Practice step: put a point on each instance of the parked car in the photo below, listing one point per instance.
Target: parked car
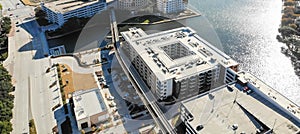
(245, 89)
(112, 104)
(125, 95)
(110, 98)
(249, 91)
(229, 88)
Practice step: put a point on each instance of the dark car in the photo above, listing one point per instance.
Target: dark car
(229, 88)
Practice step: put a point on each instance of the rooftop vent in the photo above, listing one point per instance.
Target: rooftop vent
(78, 98)
(212, 60)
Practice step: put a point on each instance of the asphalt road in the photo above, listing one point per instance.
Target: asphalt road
(21, 77)
(27, 66)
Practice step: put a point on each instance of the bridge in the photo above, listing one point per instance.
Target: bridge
(141, 88)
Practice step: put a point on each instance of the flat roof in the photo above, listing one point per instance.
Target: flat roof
(220, 110)
(64, 6)
(88, 103)
(271, 93)
(203, 55)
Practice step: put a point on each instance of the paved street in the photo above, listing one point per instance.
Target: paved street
(12, 4)
(20, 73)
(27, 66)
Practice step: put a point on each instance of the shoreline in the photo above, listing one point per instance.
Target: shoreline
(289, 32)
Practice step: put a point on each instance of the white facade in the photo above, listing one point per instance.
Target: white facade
(177, 62)
(60, 11)
(132, 4)
(170, 6)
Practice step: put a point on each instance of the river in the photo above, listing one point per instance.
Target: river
(247, 30)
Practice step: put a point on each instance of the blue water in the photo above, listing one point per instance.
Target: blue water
(247, 31)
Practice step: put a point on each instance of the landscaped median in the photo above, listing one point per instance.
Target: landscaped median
(32, 128)
(61, 85)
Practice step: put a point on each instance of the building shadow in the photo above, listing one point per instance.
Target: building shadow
(37, 39)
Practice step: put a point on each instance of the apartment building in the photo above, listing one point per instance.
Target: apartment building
(177, 63)
(170, 6)
(89, 108)
(60, 11)
(132, 4)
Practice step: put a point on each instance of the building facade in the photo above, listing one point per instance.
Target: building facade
(89, 108)
(132, 4)
(60, 11)
(177, 63)
(170, 6)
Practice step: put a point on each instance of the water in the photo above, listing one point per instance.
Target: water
(247, 30)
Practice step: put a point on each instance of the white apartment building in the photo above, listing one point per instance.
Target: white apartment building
(132, 4)
(170, 6)
(89, 108)
(177, 62)
(60, 11)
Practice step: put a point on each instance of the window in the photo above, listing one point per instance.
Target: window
(84, 125)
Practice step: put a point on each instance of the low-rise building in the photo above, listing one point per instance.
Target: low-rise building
(89, 108)
(177, 62)
(170, 6)
(247, 106)
(60, 11)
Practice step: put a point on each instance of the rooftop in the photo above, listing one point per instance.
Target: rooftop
(271, 93)
(64, 6)
(222, 108)
(88, 103)
(176, 53)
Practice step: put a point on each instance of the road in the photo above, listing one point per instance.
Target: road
(27, 65)
(20, 73)
(12, 4)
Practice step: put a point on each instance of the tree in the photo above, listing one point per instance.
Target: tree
(6, 101)
(294, 26)
(39, 13)
(287, 31)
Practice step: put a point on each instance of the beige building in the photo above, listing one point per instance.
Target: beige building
(132, 4)
(89, 108)
(177, 62)
(170, 6)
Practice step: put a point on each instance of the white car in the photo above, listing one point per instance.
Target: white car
(110, 98)
(112, 104)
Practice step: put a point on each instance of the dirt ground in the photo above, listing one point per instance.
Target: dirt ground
(76, 81)
(34, 2)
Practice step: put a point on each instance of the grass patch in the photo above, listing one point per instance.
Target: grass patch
(32, 128)
(61, 85)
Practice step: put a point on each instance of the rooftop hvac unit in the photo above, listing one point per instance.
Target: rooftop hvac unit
(78, 98)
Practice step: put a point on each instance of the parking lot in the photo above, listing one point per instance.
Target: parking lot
(125, 99)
